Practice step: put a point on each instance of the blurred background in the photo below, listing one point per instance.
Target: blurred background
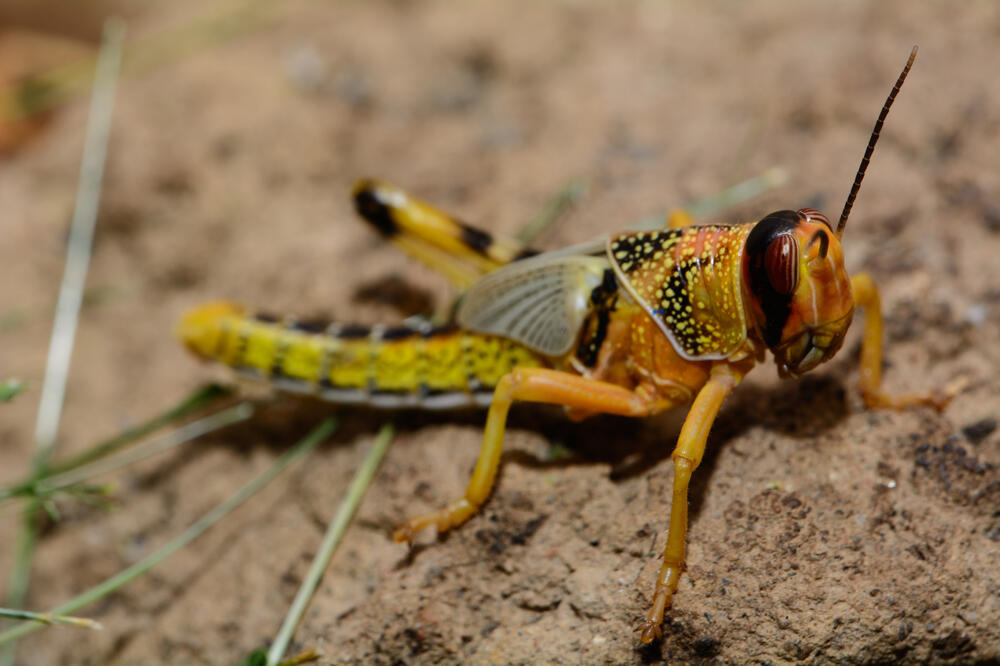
(238, 130)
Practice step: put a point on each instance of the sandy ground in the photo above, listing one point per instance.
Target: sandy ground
(820, 532)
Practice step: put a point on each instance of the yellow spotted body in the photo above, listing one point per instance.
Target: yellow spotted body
(385, 367)
(689, 281)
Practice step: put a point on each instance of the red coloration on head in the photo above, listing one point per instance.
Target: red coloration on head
(802, 320)
(782, 265)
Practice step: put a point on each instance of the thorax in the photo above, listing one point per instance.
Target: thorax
(633, 351)
(688, 281)
(676, 308)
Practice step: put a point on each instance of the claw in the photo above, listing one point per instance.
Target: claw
(937, 400)
(651, 628)
(649, 632)
(404, 534)
(951, 391)
(442, 520)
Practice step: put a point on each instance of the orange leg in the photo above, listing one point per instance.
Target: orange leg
(529, 385)
(687, 455)
(866, 296)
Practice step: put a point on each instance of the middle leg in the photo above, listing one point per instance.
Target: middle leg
(529, 385)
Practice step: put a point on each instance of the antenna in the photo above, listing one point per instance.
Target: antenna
(871, 144)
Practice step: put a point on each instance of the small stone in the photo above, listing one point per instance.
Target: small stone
(975, 314)
(980, 430)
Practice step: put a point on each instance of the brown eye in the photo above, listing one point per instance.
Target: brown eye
(781, 262)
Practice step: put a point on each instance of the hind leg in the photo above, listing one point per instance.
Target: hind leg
(461, 252)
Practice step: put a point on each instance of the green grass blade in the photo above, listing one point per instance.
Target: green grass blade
(738, 193)
(310, 442)
(195, 401)
(78, 252)
(186, 433)
(732, 195)
(47, 90)
(49, 618)
(10, 388)
(198, 399)
(334, 533)
(556, 206)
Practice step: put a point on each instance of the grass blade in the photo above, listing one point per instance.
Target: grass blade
(47, 90)
(334, 533)
(86, 465)
(80, 244)
(198, 399)
(81, 239)
(553, 209)
(185, 433)
(49, 618)
(310, 442)
(10, 388)
(259, 658)
(732, 195)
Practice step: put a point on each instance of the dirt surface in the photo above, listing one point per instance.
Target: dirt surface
(819, 531)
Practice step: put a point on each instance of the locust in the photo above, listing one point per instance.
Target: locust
(632, 324)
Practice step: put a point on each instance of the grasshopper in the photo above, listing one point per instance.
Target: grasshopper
(634, 324)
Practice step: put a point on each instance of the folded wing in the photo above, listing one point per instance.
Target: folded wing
(540, 302)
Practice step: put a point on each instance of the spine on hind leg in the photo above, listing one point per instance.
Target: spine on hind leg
(384, 367)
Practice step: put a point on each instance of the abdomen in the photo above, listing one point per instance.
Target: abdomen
(439, 368)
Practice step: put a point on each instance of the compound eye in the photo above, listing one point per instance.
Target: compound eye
(813, 215)
(781, 261)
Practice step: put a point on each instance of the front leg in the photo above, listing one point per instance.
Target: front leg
(686, 456)
(866, 296)
(530, 385)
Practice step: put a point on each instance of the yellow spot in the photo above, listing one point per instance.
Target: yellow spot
(349, 364)
(261, 346)
(302, 357)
